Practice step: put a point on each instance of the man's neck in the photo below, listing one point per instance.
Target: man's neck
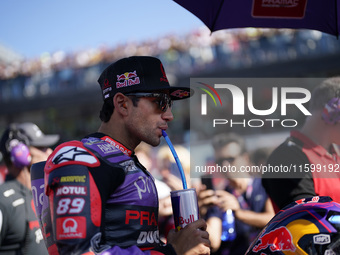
(21, 175)
(118, 134)
(318, 132)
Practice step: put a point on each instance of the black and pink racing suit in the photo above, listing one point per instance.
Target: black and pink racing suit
(94, 197)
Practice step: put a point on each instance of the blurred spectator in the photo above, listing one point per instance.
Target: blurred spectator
(21, 145)
(260, 156)
(311, 152)
(244, 195)
(168, 167)
(144, 153)
(165, 214)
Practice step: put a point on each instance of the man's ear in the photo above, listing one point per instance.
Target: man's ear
(120, 103)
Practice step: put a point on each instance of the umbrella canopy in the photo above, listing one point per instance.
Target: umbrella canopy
(322, 15)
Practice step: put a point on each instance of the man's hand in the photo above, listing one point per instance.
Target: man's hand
(193, 239)
(205, 199)
(226, 200)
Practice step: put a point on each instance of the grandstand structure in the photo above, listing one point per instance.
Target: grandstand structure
(60, 92)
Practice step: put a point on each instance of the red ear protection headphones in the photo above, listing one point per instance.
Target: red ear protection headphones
(17, 146)
(331, 111)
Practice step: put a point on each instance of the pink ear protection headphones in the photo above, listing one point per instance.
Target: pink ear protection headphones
(331, 111)
(17, 146)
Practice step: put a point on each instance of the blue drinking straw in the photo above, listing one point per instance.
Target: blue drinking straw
(176, 159)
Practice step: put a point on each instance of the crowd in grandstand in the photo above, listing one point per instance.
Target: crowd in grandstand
(182, 55)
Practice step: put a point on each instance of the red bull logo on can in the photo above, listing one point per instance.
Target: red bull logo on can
(279, 239)
(127, 79)
(181, 222)
(184, 206)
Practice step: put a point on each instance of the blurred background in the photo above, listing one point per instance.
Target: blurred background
(52, 53)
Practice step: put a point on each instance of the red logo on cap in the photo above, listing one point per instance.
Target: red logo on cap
(106, 84)
(127, 79)
(180, 93)
(164, 78)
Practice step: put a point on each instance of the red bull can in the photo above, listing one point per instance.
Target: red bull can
(184, 207)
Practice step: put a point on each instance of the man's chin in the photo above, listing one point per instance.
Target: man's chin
(154, 142)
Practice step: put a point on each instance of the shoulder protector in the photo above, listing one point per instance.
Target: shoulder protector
(69, 153)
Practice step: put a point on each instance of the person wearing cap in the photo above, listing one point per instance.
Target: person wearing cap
(21, 145)
(101, 199)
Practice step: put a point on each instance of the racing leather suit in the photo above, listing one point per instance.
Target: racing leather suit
(98, 199)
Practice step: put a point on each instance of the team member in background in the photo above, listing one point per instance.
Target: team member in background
(101, 198)
(21, 145)
(243, 195)
(315, 146)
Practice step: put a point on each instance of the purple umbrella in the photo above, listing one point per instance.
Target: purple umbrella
(322, 15)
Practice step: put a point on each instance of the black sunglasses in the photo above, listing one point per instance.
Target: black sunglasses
(163, 100)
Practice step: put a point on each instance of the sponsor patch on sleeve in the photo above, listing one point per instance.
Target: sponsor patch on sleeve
(71, 228)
